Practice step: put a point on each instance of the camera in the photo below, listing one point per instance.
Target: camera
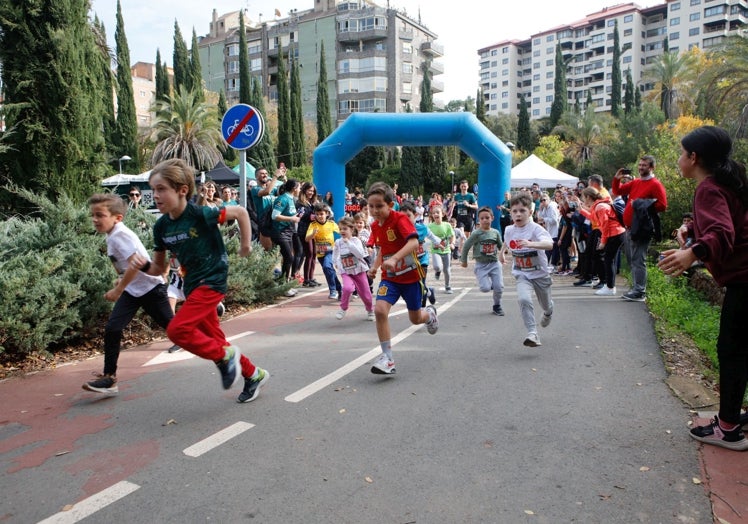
(626, 171)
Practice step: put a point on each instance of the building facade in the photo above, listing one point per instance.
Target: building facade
(375, 56)
(513, 68)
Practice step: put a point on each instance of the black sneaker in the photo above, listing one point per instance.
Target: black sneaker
(599, 285)
(498, 311)
(106, 384)
(174, 348)
(229, 366)
(437, 274)
(432, 296)
(220, 309)
(634, 296)
(252, 386)
(713, 434)
(582, 283)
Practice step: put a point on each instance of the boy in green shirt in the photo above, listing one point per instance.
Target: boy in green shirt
(486, 244)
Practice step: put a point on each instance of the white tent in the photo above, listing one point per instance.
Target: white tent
(532, 170)
(125, 180)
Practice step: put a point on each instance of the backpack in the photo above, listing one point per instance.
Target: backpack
(265, 224)
(618, 206)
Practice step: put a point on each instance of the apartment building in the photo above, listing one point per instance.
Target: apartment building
(374, 56)
(512, 68)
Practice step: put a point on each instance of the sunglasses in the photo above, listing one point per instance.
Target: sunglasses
(134, 194)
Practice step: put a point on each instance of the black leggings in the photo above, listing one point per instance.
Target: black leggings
(612, 246)
(732, 352)
(284, 239)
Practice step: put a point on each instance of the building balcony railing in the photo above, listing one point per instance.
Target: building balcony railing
(405, 34)
(368, 34)
(437, 87)
(432, 49)
(436, 68)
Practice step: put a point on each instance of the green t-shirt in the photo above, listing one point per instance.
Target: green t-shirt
(485, 245)
(443, 231)
(460, 208)
(197, 242)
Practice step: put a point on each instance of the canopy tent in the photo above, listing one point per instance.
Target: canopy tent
(249, 169)
(532, 170)
(221, 174)
(125, 180)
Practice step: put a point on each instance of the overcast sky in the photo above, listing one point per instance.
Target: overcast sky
(474, 24)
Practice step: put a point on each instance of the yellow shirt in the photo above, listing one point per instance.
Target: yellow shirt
(324, 240)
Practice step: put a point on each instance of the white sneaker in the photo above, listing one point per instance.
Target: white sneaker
(546, 320)
(340, 314)
(606, 291)
(448, 291)
(432, 326)
(532, 340)
(370, 316)
(383, 366)
(291, 292)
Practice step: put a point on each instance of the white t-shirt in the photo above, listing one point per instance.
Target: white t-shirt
(531, 263)
(121, 244)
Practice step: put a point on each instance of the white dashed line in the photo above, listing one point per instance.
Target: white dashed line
(314, 387)
(217, 439)
(92, 504)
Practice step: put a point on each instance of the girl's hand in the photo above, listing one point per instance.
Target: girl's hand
(674, 262)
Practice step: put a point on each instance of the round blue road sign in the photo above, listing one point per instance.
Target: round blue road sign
(242, 126)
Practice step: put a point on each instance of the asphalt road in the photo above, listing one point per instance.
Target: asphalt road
(474, 427)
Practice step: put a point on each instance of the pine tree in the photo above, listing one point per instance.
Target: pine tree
(127, 120)
(245, 80)
(262, 154)
(324, 122)
(615, 77)
(52, 101)
(524, 137)
(298, 145)
(629, 97)
(181, 61)
(162, 79)
(196, 70)
(560, 96)
(284, 113)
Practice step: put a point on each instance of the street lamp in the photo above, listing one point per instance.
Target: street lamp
(125, 158)
(452, 188)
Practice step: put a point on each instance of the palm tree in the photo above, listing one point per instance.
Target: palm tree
(188, 129)
(727, 79)
(583, 133)
(672, 72)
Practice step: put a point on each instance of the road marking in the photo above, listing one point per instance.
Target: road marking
(217, 439)
(165, 357)
(314, 387)
(92, 504)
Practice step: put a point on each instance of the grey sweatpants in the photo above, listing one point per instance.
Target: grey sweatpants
(542, 288)
(490, 278)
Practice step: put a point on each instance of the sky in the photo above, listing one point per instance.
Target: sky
(149, 25)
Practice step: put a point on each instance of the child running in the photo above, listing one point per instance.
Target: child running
(397, 242)
(191, 233)
(527, 241)
(442, 252)
(424, 233)
(132, 290)
(348, 257)
(486, 244)
(322, 231)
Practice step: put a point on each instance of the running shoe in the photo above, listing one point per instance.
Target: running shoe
(713, 434)
(432, 326)
(634, 296)
(220, 309)
(582, 283)
(606, 291)
(497, 310)
(333, 295)
(106, 384)
(174, 348)
(291, 292)
(370, 316)
(546, 320)
(340, 314)
(252, 386)
(432, 296)
(532, 340)
(229, 366)
(448, 291)
(383, 365)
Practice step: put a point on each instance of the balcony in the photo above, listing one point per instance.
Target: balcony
(432, 49)
(437, 87)
(436, 68)
(405, 34)
(379, 33)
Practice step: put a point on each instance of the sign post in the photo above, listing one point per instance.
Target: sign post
(242, 127)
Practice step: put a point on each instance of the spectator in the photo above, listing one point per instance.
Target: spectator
(285, 219)
(654, 200)
(263, 196)
(305, 209)
(548, 218)
(134, 196)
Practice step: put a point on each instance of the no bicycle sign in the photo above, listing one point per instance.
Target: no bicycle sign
(242, 126)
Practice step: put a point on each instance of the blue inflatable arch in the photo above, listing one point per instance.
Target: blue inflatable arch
(414, 129)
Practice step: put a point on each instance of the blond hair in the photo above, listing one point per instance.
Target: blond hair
(177, 173)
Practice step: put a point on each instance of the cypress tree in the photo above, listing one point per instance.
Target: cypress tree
(615, 77)
(181, 61)
(229, 154)
(560, 96)
(245, 80)
(196, 71)
(51, 77)
(284, 113)
(107, 91)
(324, 122)
(262, 154)
(480, 107)
(410, 163)
(127, 121)
(589, 104)
(298, 145)
(524, 138)
(161, 72)
(629, 97)
(637, 99)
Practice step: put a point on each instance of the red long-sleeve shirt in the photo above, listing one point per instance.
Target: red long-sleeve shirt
(640, 188)
(721, 227)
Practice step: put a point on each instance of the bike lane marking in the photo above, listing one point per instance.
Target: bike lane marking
(165, 357)
(92, 504)
(314, 387)
(216, 439)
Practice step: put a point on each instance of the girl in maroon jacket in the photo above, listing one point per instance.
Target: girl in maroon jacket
(721, 243)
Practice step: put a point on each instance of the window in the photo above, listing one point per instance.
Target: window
(611, 22)
(505, 94)
(407, 88)
(536, 77)
(549, 74)
(536, 41)
(549, 62)
(233, 67)
(695, 2)
(535, 89)
(407, 68)
(407, 48)
(504, 72)
(536, 112)
(628, 19)
(693, 31)
(255, 64)
(549, 38)
(550, 50)
(493, 52)
(627, 32)
(714, 11)
(674, 36)
(675, 6)
(549, 87)
(627, 59)
(503, 62)
(675, 21)
(536, 52)
(504, 105)
(694, 17)
(504, 83)
(504, 50)
(549, 98)
(536, 100)
(233, 50)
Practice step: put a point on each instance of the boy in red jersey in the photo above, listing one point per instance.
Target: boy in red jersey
(396, 240)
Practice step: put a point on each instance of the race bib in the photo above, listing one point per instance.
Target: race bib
(322, 248)
(408, 263)
(488, 248)
(348, 262)
(526, 260)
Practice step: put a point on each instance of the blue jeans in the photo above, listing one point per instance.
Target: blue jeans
(333, 284)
